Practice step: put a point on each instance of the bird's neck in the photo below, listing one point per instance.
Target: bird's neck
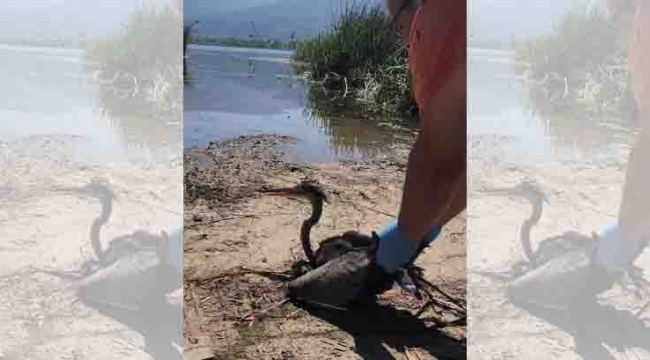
(316, 211)
(537, 211)
(527, 227)
(107, 208)
(305, 230)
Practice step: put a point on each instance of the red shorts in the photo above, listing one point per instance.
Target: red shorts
(639, 58)
(437, 44)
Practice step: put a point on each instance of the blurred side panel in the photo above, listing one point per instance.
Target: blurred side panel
(90, 179)
(559, 207)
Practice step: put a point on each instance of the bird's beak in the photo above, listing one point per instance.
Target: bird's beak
(287, 191)
(513, 192)
(293, 191)
(69, 190)
(500, 192)
(80, 191)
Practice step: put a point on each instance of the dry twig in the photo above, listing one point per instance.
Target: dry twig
(254, 313)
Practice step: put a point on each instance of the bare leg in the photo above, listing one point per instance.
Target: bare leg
(634, 215)
(459, 202)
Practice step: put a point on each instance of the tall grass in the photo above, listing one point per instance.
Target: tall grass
(139, 67)
(579, 66)
(187, 39)
(187, 35)
(362, 47)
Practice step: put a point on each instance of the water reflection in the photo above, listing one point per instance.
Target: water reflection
(49, 91)
(502, 102)
(350, 128)
(237, 91)
(139, 76)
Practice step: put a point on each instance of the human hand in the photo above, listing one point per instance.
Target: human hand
(613, 252)
(394, 254)
(174, 249)
(396, 251)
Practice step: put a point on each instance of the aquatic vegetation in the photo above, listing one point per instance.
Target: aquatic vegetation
(580, 67)
(362, 54)
(139, 68)
(187, 39)
(187, 35)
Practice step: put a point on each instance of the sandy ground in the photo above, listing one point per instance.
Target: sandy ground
(584, 194)
(231, 229)
(40, 315)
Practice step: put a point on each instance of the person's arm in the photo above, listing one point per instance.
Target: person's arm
(434, 190)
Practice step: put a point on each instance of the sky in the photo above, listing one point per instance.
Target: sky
(493, 18)
(219, 7)
(504, 19)
(499, 19)
(65, 18)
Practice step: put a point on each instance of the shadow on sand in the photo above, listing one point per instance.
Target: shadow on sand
(563, 293)
(377, 325)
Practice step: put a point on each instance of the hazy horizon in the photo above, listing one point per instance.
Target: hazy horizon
(489, 20)
(66, 19)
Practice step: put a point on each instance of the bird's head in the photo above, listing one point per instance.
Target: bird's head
(96, 188)
(527, 189)
(306, 189)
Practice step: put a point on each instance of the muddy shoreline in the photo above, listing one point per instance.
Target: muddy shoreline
(233, 234)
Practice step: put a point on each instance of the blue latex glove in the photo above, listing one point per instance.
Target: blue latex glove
(174, 255)
(396, 251)
(615, 253)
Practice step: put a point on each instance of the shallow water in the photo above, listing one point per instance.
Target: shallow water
(499, 105)
(235, 91)
(250, 91)
(48, 91)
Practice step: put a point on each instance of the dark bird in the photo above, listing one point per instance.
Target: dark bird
(132, 278)
(331, 247)
(557, 269)
(558, 275)
(121, 245)
(550, 247)
(138, 260)
(349, 256)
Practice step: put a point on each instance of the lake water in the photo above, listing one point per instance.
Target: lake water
(252, 91)
(47, 91)
(499, 104)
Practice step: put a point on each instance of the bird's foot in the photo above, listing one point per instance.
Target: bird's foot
(404, 277)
